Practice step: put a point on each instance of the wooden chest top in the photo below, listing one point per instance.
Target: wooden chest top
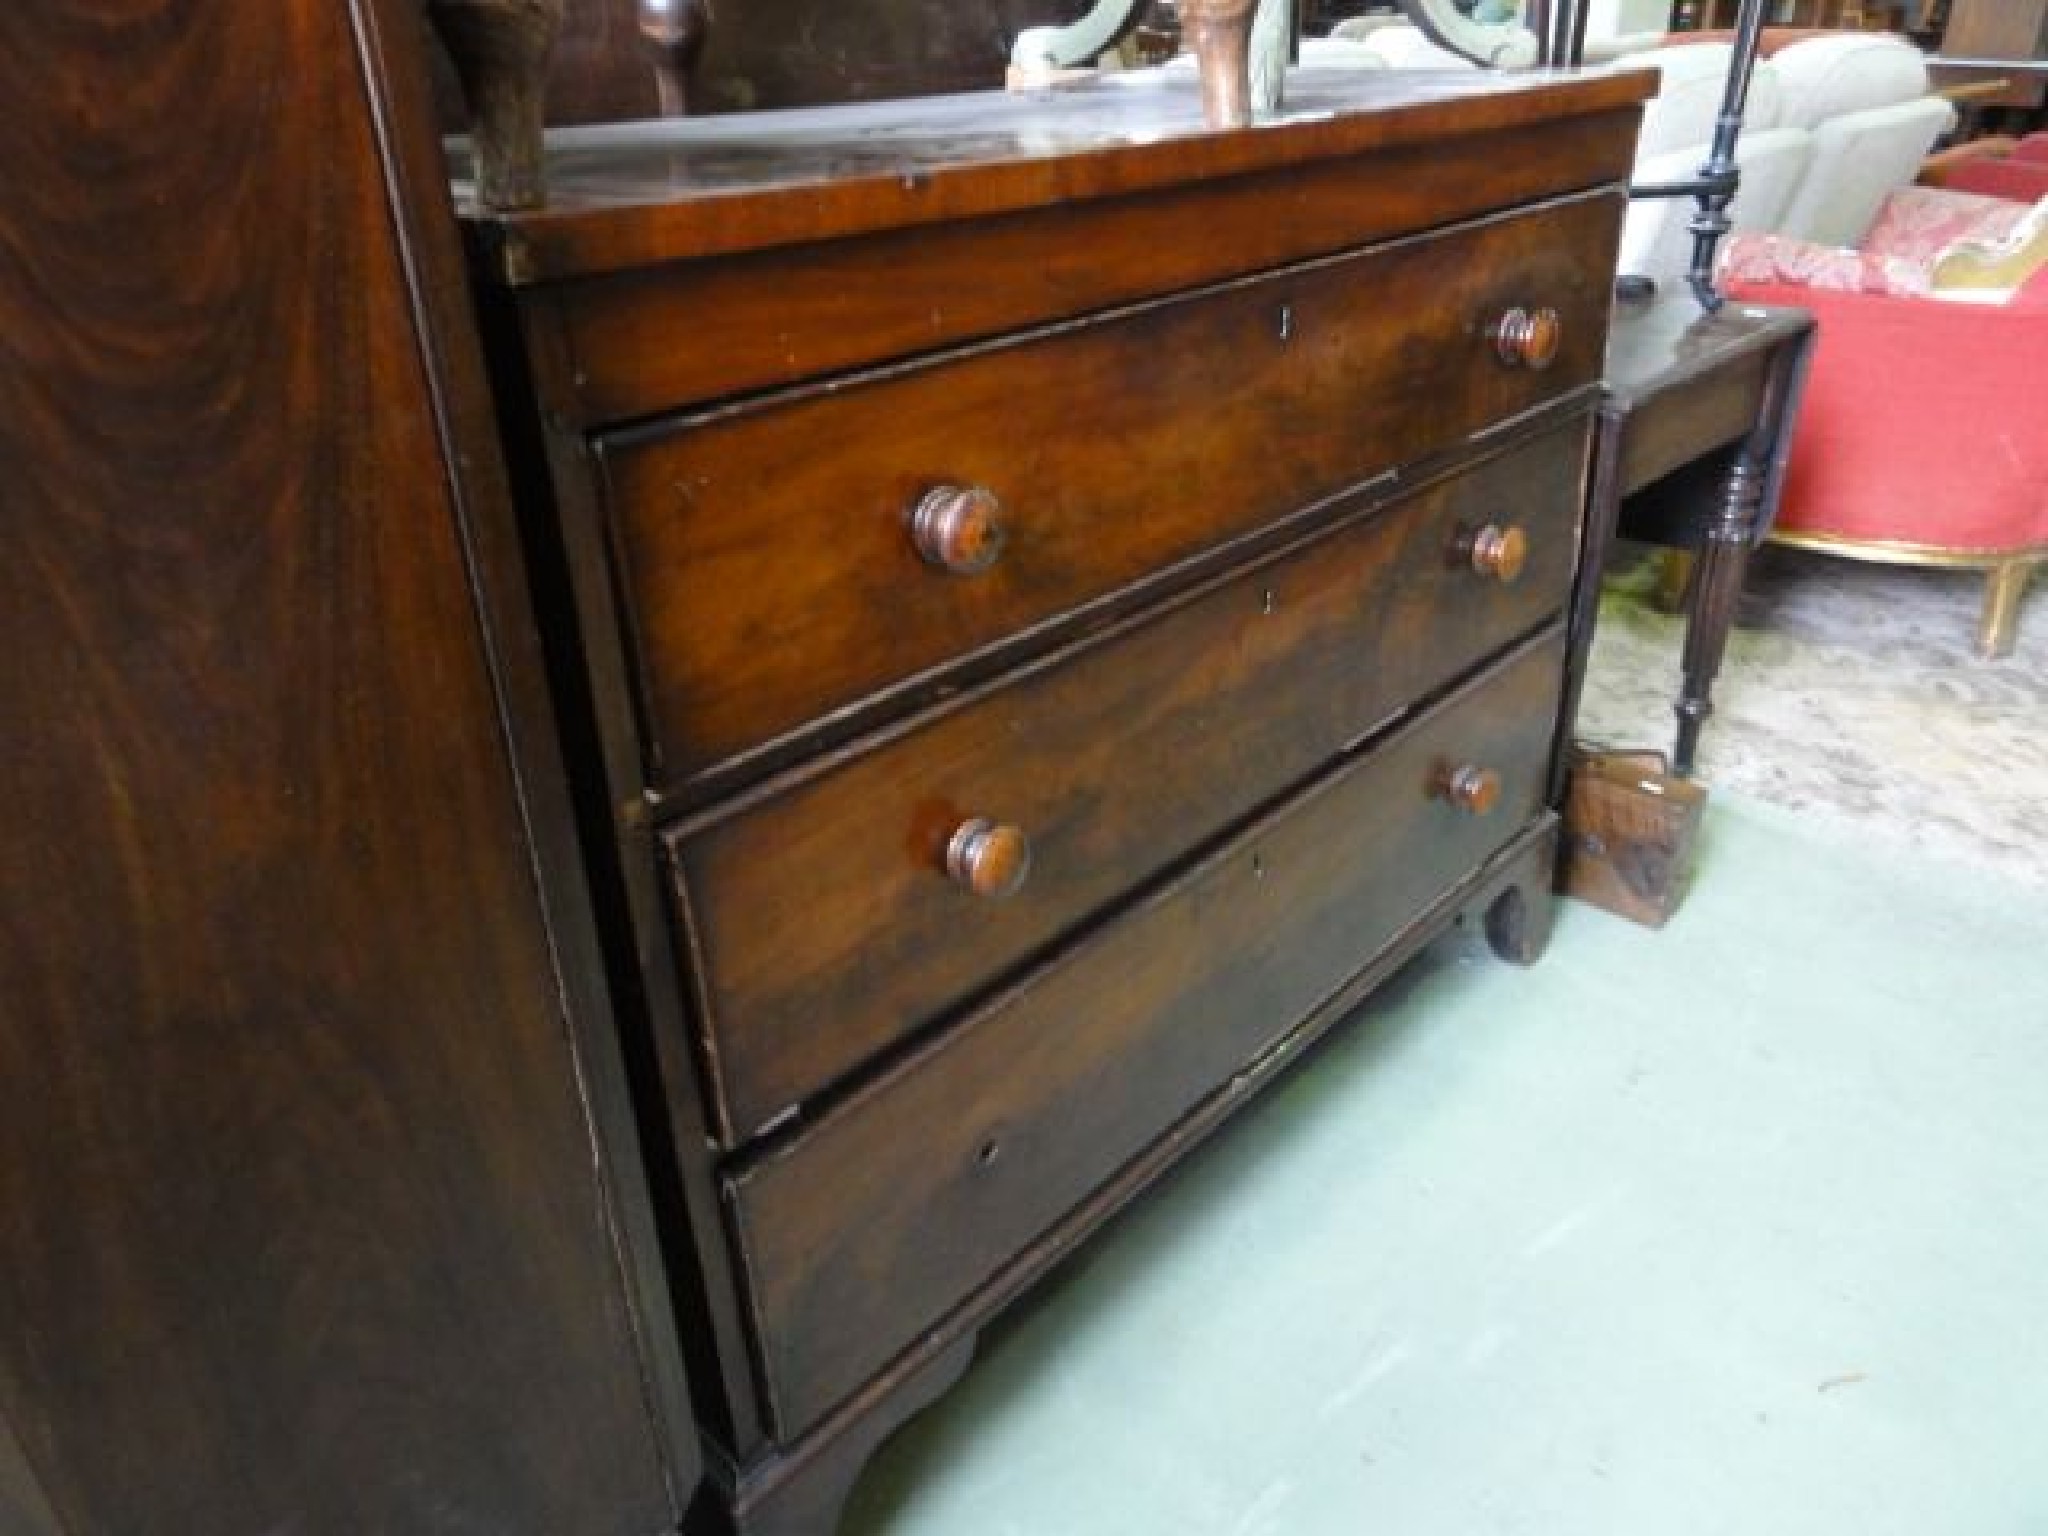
(633, 194)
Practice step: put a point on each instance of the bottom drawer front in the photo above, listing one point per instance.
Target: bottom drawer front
(889, 1212)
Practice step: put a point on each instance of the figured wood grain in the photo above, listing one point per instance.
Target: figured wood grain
(302, 1225)
(1032, 1104)
(764, 554)
(686, 269)
(1116, 761)
(641, 194)
(639, 343)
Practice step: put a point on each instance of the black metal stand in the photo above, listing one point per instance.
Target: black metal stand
(1561, 30)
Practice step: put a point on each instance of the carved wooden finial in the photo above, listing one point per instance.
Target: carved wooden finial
(500, 49)
(674, 32)
(1219, 31)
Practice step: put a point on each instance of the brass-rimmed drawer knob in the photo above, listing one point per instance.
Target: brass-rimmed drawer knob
(958, 528)
(1469, 788)
(1496, 551)
(989, 858)
(1527, 338)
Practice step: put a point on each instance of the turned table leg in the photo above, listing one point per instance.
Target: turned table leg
(500, 51)
(1717, 584)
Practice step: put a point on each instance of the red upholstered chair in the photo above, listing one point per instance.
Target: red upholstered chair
(1921, 438)
(1993, 167)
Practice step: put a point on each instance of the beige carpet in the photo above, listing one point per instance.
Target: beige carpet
(1852, 694)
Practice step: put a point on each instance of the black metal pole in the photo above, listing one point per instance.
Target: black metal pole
(1719, 177)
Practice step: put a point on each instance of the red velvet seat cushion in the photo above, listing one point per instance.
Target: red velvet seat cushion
(1922, 421)
(2011, 177)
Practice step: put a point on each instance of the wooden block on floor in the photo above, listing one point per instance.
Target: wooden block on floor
(1629, 830)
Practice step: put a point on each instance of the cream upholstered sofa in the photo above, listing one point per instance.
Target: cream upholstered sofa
(1677, 134)
(1833, 124)
(1863, 97)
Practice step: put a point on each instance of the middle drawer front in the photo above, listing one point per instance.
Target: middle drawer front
(892, 1210)
(824, 922)
(771, 577)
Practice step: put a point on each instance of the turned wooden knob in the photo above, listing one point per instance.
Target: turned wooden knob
(1471, 789)
(1498, 552)
(958, 528)
(1527, 338)
(989, 858)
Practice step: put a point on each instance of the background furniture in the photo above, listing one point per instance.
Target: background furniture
(1954, 471)
(1865, 100)
(1998, 166)
(1677, 139)
(320, 1203)
(2002, 29)
(1834, 123)
(1694, 436)
(1053, 603)
(741, 55)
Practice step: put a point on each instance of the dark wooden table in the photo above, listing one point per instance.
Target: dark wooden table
(1691, 448)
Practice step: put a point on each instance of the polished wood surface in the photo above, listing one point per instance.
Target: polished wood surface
(1005, 564)
(1111, 760)
(658, 192)
(1689, 381)
(1030, 1105)
(789, 518)
(779, 316)
(310, 1217)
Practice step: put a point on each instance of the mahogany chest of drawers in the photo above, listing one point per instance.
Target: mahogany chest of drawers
(1052, 605)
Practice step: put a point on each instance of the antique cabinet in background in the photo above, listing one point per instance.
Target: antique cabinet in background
(2001, 29)
(319, 1204)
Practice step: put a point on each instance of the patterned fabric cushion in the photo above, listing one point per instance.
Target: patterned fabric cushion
(1955, 247)
(1992, 271)
(1749, 257)
(1916, 224)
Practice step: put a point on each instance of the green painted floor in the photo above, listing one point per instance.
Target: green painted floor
(1741, 1227)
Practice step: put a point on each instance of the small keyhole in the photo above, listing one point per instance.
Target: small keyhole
(986, 1154)
(1286, 322)
(1258, 867)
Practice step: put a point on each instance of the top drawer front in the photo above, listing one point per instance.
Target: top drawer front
(770, 576)
(677, 334)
